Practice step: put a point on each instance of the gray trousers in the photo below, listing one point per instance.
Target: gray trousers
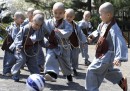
(100, 69)
(56, 58)
(40, 56)
(74, 56)
(84, 52)
(21, 59)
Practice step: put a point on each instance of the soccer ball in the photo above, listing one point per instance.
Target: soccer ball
(35, 82)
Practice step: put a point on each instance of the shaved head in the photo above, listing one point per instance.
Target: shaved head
(58, 5)
(70, 11)
(30, 13)
(58, 10)
(30, 9)
(107, 7)
(19, 15)
(38, 18)
(37, 12)
(87, 13)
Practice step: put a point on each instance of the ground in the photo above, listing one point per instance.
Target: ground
(7, 84)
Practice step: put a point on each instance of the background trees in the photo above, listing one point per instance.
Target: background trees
(122, 8)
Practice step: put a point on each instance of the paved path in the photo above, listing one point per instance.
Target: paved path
(7, 84)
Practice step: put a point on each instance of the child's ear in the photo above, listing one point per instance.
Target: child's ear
(109, 14)
(14, 18)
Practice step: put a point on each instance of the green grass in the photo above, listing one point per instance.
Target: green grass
(1, 42)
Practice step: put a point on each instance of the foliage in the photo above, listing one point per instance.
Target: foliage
(6, 17)
(95, 20)
(3, 6)
(3, 32)
(78, 5)
(1, 42)
(79, 8)
(118, 4)
(18, 5)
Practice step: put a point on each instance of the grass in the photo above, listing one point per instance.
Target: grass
(1, 42)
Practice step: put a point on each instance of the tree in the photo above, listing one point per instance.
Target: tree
(118, 4)
(79, 6)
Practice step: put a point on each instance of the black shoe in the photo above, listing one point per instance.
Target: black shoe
(23, 66)
(123, 84)
(15, 78)
(75, 72)
(41, 68)
(69, 78)
(52, 74)
(87, 63)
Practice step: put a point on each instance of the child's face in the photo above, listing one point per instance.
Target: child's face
(58, 13)
(87, 17)
(36, 25)
(30, 16)
(105, 17)
(69, 17)
(19, 20)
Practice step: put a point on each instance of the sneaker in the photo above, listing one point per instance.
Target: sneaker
(87, 63)
(49, 78)
(69, 78)
(15, 78)
(75, 72)
(7, 74)
(123, 84)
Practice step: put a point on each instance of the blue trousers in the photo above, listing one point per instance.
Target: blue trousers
(8, 62)
(84, 52)
(56, 58)
(40, 57)
(74, 56)
(21, 59)
(100, 69)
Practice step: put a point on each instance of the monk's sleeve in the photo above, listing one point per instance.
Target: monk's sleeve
(120, 47)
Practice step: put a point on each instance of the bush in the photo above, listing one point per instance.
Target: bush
(95, 20)
(3, 32)
(6, 17)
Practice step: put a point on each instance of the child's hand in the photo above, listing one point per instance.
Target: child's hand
(90, 38)
(84, 44)
(18, 50)
(56, 30)
(117, 62)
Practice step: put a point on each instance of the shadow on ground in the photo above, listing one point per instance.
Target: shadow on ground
(1, 58)
(72, 86)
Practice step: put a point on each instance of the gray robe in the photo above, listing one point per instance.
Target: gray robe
(30, 56)
(9, 58)
(84, 50)
(61, 54)
(103, 68)
(75, 51)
